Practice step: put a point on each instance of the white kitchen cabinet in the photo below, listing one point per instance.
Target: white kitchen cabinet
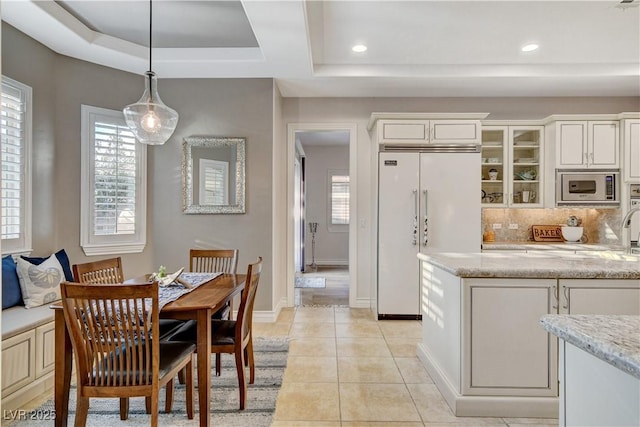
(599, 296)
(398, 131)
(517, 154)
(587, 144)
(631, 136)
(505, 350)
(595, 393)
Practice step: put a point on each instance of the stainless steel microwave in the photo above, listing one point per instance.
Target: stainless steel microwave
(587, 187)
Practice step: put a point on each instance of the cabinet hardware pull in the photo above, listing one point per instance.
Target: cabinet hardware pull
(555, 298)
(426, 219)
(415, 217)
(565, 292)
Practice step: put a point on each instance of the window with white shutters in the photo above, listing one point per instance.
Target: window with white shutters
(113, 185)
(338, 200)
(15, 131)
(214, 182)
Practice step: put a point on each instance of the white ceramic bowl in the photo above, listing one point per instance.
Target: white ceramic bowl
(572, 234)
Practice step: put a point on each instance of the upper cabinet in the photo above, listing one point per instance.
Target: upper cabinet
(512, 166)
(631, 136)
(429, 131)
(414, 129)
(587, 144)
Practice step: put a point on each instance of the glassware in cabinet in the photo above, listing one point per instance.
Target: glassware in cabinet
(526, 166)
(494, 160)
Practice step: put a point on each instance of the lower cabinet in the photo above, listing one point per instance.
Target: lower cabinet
(18, 361)
(599, 296)
(595, 393)
(483, 344)
(28, 361)
(506, 352)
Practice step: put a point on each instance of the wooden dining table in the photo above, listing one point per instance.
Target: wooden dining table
(199, 305)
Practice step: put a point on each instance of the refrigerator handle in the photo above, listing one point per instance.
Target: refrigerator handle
(426, 219)
(415, 217)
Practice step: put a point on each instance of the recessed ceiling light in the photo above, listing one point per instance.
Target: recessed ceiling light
(530, 47)
(359, 48)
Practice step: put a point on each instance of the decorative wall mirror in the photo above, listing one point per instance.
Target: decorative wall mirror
(213, 175)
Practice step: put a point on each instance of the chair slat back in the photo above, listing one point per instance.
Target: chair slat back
(213, 260)
(105, 271)
(245, 311)
(109, 325)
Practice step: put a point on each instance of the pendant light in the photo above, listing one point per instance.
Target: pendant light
(150, 120)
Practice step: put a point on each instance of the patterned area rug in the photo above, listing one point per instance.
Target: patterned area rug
(271, 360)
(310, 282)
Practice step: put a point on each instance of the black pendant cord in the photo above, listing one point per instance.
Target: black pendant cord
(150, 28)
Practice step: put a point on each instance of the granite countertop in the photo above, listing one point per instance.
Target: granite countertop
(545, 246)
(538, 265)
(614, 339)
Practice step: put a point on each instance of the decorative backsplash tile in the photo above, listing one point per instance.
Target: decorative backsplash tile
(600, 225)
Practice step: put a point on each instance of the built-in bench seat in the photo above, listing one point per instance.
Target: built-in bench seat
(28, 337)
(28, 354)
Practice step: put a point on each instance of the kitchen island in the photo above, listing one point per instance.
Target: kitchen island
(482, 343)
(599, 368)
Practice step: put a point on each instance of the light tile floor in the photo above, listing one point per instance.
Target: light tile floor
(345, 369)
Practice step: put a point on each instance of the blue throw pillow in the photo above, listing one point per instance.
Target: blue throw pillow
(11, 294)
(63, 259)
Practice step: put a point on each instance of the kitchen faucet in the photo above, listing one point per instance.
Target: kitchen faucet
(626, 223)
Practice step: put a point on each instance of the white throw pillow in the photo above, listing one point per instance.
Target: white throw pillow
(40, 284)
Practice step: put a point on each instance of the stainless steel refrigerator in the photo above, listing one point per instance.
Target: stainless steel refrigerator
(427, 202)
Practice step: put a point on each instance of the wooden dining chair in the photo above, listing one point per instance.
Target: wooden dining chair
(104, 271)
(233, 336)
(215, 261)
(110, 326)
(110, 271)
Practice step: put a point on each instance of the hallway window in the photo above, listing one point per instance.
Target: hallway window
(214, 182)
(339, 198)
(113, 185)
(15, 130)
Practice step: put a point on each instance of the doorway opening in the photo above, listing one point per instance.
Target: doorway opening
(321, 268)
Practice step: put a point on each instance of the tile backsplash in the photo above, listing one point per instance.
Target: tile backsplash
(600, 225)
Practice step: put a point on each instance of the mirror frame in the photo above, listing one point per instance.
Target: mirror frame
(187, 174)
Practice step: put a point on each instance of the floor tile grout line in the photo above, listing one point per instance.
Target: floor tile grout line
(335, 333)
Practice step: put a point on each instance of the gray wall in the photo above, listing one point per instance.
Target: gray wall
(220, 107)
(33, 64)
(332, 247)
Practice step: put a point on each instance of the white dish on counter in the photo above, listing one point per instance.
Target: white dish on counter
(572, 234)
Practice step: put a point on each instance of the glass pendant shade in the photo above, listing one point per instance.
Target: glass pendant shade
(150, 120)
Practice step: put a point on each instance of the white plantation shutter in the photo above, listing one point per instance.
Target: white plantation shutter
(15, 131)
(113, 185)
(339, 199)
(115, 180)
(214, 182)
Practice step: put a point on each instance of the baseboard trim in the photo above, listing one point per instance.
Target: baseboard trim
(362, 303)
(331, 262)
(487, 406)
(269, 316)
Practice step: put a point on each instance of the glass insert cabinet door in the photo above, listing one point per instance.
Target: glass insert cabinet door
(512, 170)
(494, 169)
(213, 174)
(526, 168)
